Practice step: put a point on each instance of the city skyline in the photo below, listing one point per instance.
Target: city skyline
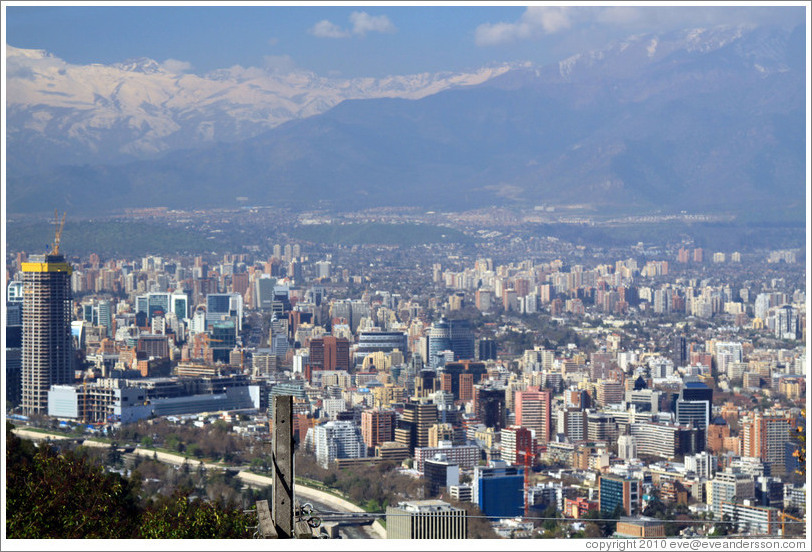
(523, 271)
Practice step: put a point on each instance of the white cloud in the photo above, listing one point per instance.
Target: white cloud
(176, 66)
(534, 22)
(363, 23)
(537, 22)
(279, 64)
(327, 29)
(22, 63)
(550, 20)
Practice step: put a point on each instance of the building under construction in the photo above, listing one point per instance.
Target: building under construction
(47, 351)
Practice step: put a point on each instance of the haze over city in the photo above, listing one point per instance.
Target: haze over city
(439, 272)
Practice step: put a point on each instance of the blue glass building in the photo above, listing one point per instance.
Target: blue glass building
(499, 490)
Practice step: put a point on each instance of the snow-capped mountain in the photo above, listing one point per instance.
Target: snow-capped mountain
(700, 120)
(59, 113)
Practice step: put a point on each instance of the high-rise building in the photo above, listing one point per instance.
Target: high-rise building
(489, 406)
(373, 341)
(518, 446)
(440, 473)
(619, 491)
(533, 411)
(377, 427)
(610, 392)
(452, 379)
(425, 519)
(223, 340)
(787, 323)
(765, 436)
(323, 269)
(729, 486)
(753, 519)
(667, 440)
(413, 426)
(601, 426)
(153, 304)
(47, 351)
(440, 432)
(330, 353)
(486, 349)
(571, 421)
(439, 340)
(338, 439)
(498, 489)
(450, 335)
(693, 407)
(462, 340)
(223, 306)
(627, 447)
(703, 464)
(14, 342)
(679, 350)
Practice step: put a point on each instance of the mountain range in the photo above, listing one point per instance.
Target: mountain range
(59, 113)
(706, 120)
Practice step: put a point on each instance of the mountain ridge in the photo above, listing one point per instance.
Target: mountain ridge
(139, 108)
(668, 126)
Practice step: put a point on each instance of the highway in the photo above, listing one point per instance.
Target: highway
(320, 500)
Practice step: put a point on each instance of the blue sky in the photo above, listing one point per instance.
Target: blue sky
(366, 39)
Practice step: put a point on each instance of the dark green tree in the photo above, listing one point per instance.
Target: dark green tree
(51, 495)
(179, 517)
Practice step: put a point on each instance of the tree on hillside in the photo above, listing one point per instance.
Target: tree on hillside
(180, 517)
(799, 435)
(63, 496)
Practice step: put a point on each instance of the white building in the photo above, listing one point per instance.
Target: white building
(338, 439)
(627, 447)
(727, 486)
(751, 519)
(703, 464)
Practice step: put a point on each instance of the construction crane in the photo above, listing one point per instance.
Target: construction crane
(784, 517)
(58, 235)
(527, 462)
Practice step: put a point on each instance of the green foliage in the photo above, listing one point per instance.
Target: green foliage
(373, 505)
(173, 442)
(179, 517)
(602, 524)
(194, 450)
(550, 525)
(221, 426)
(721, 529)
(799, 435)
(63, 496)
(655, 508)
(479, 527)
